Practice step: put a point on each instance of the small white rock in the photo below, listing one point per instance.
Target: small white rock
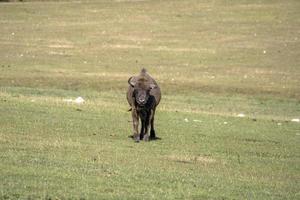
(196, 120)
(186, 120)
(225, 122)
(264, 51)
(279, 124)
(295, 120)
(241, 115)
(79, 100)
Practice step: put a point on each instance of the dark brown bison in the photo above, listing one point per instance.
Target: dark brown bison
(143, 95)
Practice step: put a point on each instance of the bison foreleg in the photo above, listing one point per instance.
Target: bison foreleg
(135, 121)
(142, 132)
(147, 125)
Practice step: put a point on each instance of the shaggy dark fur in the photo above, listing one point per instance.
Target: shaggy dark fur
(143, 96)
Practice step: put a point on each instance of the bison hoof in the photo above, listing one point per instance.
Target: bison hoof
(136, 138)
(146, 138)
(141, 136)
(152, 134)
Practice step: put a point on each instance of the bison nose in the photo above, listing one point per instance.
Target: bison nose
(142, 100)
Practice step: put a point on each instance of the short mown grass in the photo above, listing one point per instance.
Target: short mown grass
(213, 60)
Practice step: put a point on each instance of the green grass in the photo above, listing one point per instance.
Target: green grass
(213, 60)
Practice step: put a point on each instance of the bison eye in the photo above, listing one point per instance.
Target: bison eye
(134, 93)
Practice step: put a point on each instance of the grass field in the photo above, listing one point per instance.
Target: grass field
(213, 59)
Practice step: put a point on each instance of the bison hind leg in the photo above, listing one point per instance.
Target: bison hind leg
(152, 131)
(152, 134)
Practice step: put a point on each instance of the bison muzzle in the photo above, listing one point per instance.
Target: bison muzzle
(143, 95)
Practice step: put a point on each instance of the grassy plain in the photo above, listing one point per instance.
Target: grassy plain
(214, 59)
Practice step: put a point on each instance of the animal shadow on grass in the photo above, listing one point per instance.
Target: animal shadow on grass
(150, 138)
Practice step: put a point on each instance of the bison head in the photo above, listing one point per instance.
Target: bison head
(141, 90)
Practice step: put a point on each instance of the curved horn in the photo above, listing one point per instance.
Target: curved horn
(130, 82)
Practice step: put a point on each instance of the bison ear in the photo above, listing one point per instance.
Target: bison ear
(131, 82)
(152, 86)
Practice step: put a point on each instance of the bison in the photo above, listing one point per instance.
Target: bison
(143, 95)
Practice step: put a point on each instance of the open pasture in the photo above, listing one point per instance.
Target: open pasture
(215, 60)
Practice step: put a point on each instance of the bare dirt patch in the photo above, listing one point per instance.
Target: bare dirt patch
(191, 159)
(61, 46)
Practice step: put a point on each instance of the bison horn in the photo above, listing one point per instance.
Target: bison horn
(131, 82)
